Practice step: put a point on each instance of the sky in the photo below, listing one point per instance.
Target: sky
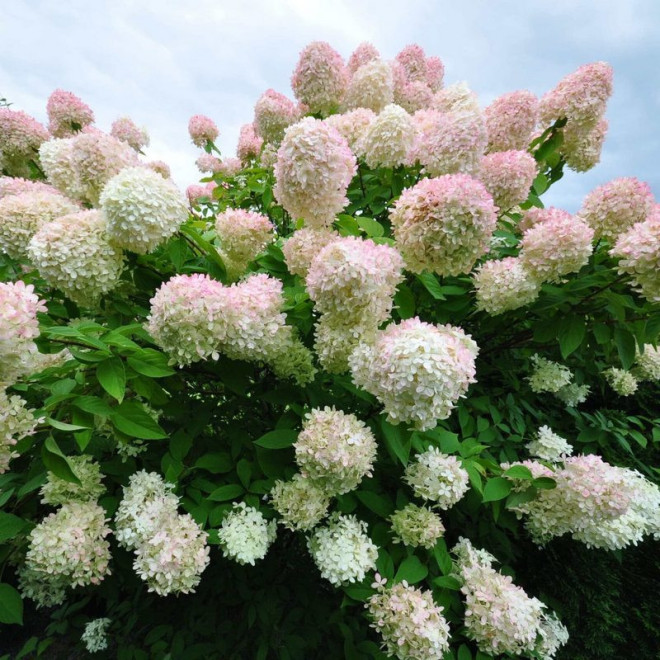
(161, 61)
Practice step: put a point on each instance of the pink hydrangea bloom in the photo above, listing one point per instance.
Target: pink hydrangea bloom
(20, 138)
(582, 149)
(313, 169)
(320, 78)
(202, 130)
(230, 166)
(67, 114)
(510, 120)
(371, 87)
(249, 143)
(273, 113)
(195, 192)
(456, 98)
(444, 224)
(435, 73)
(503, 285)
(161, 167)
(126, 130)
(614, 207)
(388, 139)
(302, 246)
(353, 126)
(535, 215)
(508, 176)
(208, 163)
(364, 53)
(15, 186)
(413, 61)
(414, 96)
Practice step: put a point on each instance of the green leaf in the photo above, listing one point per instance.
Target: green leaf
(404, 300)
(571, 333)
(394, 441)
(432, 285)
(112, 376)
(216, 463)
(244, 471)
(57, 462)
(278, 439)
(358, 593)
(496, 489)
(132, 419)
(206, 248)
(545, 483)
(374, 502)
(228, 492)
(347, 225)
(442, 557)
(464, 653)
(63, 426)
(371, 227)
(447, 582)
(11, 605)
(411, 570)
(520, 497)
(150, 362)
(518, 472)
(625, 345)
(93, 405)
(10, 526)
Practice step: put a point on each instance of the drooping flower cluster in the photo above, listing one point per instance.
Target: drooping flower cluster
(503, 285)
(548, 376)
(303, 246)
(273, 114)
(389, 138)
(67, 114)
(499, 616)
(57, 491)
(335, 450)
(22, 215)
(508, 176)
(437, 477)
(371, 87)
(342, 550)
(621, 381)
(416, 526)
(411, 624)
(549, 446)
(74, 254)
(243, 236)
(17, 421)
(444, 224)
(510, 120)
(301, 502)
(249, 143)
(313, 169)
(126, 130)
(202, 130)
(94, 636)
(20, 138)
(320, 78)
(142, 209)
(245, 535)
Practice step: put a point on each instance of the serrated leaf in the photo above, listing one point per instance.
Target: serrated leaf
(571, 333)
(404, 300)
(545, 483)
(496, 489)
(112, 376)
(395, 442)
(371, 227)
(11, 605)
(278, 439)
(93, 405)
(131, 418)
(228, 492)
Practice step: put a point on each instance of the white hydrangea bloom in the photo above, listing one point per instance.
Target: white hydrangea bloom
(416, 526)
(57, 491)
(647, 364)
(245, 535)
(573, 394)
(621, 381)
(16, 422)
(301, 502)
(548, 376)
(549, 446)
(94, 636)
(389, 138)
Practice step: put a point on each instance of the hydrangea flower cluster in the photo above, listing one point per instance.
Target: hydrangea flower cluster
(245, 535)
(208, 163)
(22, 215)
(95, 635)
(43, 589)
(371, 87)
(342, 550)
(502, 285)
(67, 114)
(57, 491)
(621, 381)
(389, 138)
(456, 98)
(411, 624)
(273, 114)
(364, 53)
(416, 78)
(417, 370)
(301, 502)
(508, 176)
(10, 185)
(126, 130)
(558, 245)
(303, 245)
(74, 254)
(202, 130)
(320, 78)
(19, 326)
(444, 224)
(335, 450)
(416, 526)
(353, 126)
(243, 236)
(437, 477)
(20, 138)
(160, 167)
(548, 376)
(499, 616)
(582, 151)
(249, 143)
(313, 169)
(613, 208)
(17, 421)
(549, 446)
(142, 209)
(572, 395)
(510, 121)
(70, 544)
(647, 363)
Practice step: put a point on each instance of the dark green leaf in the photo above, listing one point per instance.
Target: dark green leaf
(431, 284)
(10, 525)
(545, 483)
(228, 492)
(496, 489)
(397, 445)
(278, 439)
(411, 570)
(571, 333)
(11, 605)
(132, 419)
(112, 376)
(376, 503)
(625, 344)
(405, 302)
(150, 362)
(447, 582)
(57, 462)
(518, 472)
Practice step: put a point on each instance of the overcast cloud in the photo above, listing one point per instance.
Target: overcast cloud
(160, 61)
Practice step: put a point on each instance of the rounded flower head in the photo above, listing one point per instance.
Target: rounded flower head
(437, 477)
(303, 245)
(510, 120)
(417, 526)
(202, 130)
(71, 544)
(548, 376)
(16, 422)
(142, 209)
(353, 126)
(208, 163)
(126, 130)
(20, 138)
(301, 502)
(74, 255)
(622, 382)
(371, 87)
(67, 114)
(335, 450)
(56, 157)
(94, 636)
(549, 446)
(582, 149)
(10, 185)
(410, 623)
(249, 143)
(572, 395)
(504, 284)
(418, 371)
(363, 54)
(638, 251)
(508, 176)
(435, 73)
(414, 96)
(647, 363)
(613, 208)
(557, 246)
(57, 491)
(230, 167)
(313, 169)
(413, 60)
(245, 535)
(456, 98)
(389, 138)
(21, 216)
(196, 193)
(273, 113)
(342, 550)
(444, 224)
(320, 78)
(160, 167)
